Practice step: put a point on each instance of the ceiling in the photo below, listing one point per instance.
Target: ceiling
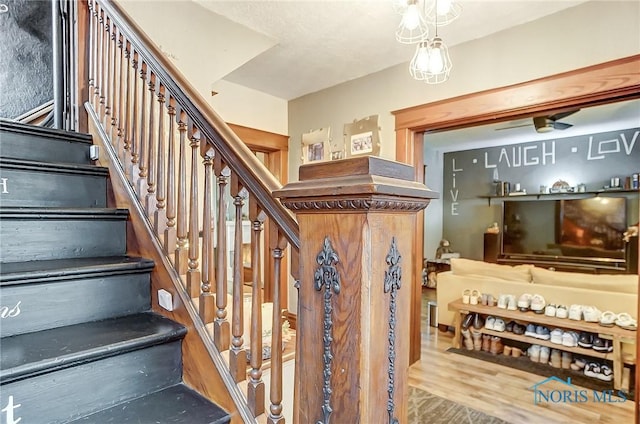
(319, 44)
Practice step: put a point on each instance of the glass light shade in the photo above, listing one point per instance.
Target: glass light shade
(443, 12)
(419, 64)
(400, 6)
(413, 27)
(440, 65)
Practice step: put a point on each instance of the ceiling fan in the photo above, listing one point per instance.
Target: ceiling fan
(546, 123)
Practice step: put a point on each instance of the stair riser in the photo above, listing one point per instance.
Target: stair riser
(44, 239)
(35, 307)
(39, 148)
(51, 189)
(77, 391)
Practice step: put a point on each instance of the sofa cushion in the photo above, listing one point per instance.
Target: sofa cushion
(625, 283)
(521, 273)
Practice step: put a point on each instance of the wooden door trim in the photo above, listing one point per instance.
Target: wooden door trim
(603, 83)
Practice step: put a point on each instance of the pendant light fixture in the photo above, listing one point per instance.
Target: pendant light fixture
(413, 27)
(443, 12)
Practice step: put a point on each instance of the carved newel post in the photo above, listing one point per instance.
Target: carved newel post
(357, 222)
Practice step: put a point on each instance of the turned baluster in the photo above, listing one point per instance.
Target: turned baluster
(207, 311)
(193, 274)
(107, 77)
(237, 353)
(142, 139)
(152, 150)
(221, 325)
(118, 118)
(159, 218)
(135, 136)
(275, 388)
(181, 253)
(101, 66)
(170, 240)
(112, 100)
(92, 41)
(255, 385)
(127, 119)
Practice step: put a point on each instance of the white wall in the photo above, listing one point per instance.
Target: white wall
(590, 33)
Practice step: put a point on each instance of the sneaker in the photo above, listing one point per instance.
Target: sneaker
(605, 373)
(524, 302)
(556, 336)
(489, 323)
(602, 345)
(575, 312)
(503, 300)
(534, 353)
(585, 340)
(562, 312)
(509, 326)
(550, 310)
(545, 352)
(499, 325)
(519, 329)
(581, 362)
(478, 322)
(570, 339)
(592, 370)
(591, 313)
(542, 333)
(538, 304)
(530, 331)
(512, 305)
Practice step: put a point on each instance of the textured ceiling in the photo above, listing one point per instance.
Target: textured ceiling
(319, 44)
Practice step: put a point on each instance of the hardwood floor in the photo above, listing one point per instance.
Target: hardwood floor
(497, 390)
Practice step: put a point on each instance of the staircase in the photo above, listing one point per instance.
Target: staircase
(79, 342)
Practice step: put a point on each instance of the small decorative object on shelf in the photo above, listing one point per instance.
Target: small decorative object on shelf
(493, 229)
(560, 186)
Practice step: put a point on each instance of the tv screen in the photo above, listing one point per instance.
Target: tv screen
(583, 228)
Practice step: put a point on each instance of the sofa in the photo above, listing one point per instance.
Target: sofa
(617, 293)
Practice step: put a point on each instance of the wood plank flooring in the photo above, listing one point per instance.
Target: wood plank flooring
(497, 390)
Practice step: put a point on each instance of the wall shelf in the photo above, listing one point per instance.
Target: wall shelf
(569, 195)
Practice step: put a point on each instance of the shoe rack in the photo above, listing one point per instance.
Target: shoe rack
(617, 335)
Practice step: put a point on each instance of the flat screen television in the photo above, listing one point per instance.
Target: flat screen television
(586, 229)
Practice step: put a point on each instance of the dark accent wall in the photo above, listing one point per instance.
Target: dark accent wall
(591, 159)
(26, 55)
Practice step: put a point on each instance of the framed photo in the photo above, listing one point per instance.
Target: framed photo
(362, 137)
(316, 146)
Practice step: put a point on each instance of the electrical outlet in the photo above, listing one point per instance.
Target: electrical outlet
(94, 152)
(165, 299)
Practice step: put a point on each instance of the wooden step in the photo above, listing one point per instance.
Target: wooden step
(31, 183)
(40, 295)
(61, 233)
(85, 388)
(176, 404)
(29, 142)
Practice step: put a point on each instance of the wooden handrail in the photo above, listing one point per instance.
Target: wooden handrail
(257, 180)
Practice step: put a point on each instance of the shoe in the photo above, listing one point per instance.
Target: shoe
(519, 329)
(524, 302)
(605, 373)
(575, 312)
(534, 353)
(530, 331)
(591, 314)
(592, 370)
(512, 305)
(503, 300)
(601, 345)
(484, 299)
(475, 297)
(608, 319)
(496, 346)
(625, 321)
(507, 350)
(466, 322)
(542, 333)
(570, 339)
(556, 336)
(581, 363)
(516, 352)
(477, 339)
(538, 304)
(467, 340)
(491, 301)
(562, 312)
(478, 322)
(567, 357)
(499, 325)
(466, 295)
(544, 354)
(550, 310)
(509, 326)
(486, 342)
(489, 323)
(556, 359)
(585, 340)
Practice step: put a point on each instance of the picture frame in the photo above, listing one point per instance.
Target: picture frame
(316, 146)
(362, 137)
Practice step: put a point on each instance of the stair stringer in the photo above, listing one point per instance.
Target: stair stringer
(204, 368)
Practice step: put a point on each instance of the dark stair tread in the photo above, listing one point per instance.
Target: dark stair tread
(30, 354)
(62, 269)
(175, 404)
(17, 127)
(63, 168)
(62, 213)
